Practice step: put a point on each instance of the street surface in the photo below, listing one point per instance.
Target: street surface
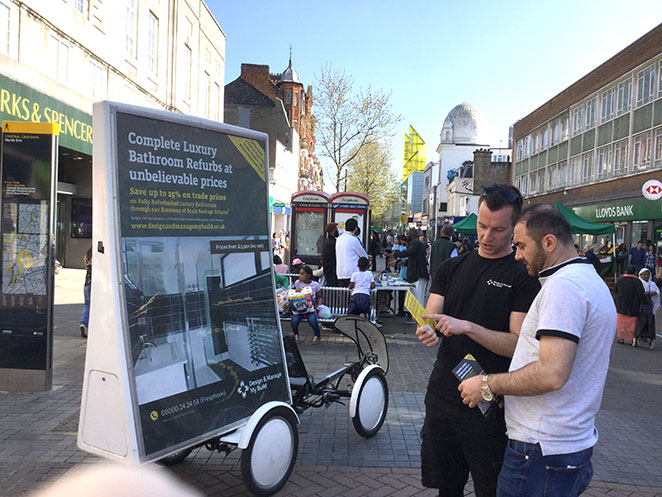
(38, 431)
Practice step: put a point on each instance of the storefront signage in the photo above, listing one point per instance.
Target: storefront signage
(19, 102)
(192, 259)
(652, 189)
(29, 178)
(637, 209)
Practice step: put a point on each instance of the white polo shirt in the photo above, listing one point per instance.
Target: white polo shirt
(574, 303)
(348, 251)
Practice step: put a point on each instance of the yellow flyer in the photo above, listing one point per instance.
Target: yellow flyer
(417, 310)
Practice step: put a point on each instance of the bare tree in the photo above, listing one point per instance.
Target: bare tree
(349, 119)
(370, 173)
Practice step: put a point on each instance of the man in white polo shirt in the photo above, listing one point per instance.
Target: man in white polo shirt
(554, 385)
(348, 250)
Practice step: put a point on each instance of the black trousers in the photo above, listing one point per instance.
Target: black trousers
(457, 440)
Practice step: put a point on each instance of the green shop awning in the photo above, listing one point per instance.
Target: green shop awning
(467, 225)
(580, 225)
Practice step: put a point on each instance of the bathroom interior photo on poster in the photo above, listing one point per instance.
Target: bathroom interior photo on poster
(203, 332)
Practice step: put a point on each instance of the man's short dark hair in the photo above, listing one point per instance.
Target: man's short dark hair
(631, 269)
(499, 196)
(363, 263)
(543, 219)
(351, 224)
(447, 230)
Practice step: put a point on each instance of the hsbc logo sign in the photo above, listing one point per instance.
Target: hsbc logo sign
(652, 189)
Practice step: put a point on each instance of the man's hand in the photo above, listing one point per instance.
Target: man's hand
(427, 336)
(470, 390)
(450, 326)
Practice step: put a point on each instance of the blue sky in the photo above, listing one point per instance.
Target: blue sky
(506, 58)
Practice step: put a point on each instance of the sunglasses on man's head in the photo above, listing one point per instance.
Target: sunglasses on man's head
(508, 195)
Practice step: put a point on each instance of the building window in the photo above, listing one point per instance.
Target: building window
(59, 58)
(577, 120)
(97, 80)
(645, 85)
(604, 162)
(659, 79)
(130, 27)
(555, 132)
(564, 128)
(527, 146)
(573, 172)
(551, 177)
(525, 186)
(590, 113)
(187, 71)
(607, 105)
(288, 97)
(245, 117)
(623, 97)
(520, 149)
(4, 28)
(621, 157)
(536, 142)
(296, 98)
(302, 102)
(658, 147)
(587, 167)
(641, 151)
(545, 138)
(152, 43)
(206, 95)
(563, 171)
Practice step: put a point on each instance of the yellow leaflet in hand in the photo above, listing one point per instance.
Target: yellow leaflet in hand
(417, 310)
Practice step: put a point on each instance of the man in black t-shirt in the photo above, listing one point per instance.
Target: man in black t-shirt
(479, 301)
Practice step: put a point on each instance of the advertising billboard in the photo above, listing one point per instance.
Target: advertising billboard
(187, 248)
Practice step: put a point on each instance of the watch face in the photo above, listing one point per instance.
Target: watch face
(486, 394)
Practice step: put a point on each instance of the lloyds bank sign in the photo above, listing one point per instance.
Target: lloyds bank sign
(636, 209)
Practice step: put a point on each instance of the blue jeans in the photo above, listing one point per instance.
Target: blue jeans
(526, 472)
(312, 321)
(85, 315)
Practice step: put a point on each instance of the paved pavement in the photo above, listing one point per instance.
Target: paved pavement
(38, 439)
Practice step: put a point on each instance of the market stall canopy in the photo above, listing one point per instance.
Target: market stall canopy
(580, 225)
(467, 225)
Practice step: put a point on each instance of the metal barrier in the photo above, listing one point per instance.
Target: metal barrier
(337, 299)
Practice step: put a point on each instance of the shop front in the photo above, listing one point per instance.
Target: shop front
(634, 219)
(19, 102)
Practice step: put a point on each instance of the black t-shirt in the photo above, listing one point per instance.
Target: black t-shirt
(485, 292)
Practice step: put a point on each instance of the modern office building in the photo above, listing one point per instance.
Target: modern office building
(58, 57)
(596, 143)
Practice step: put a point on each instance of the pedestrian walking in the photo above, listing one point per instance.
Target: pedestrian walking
(348, 250)
(87, 293)
(329, 255)
(417, 264)
(479, 301)
(638, 256)
(645, 329)
(442, 248)
(628, 296)
(554, 386)
(651, 260)
(374, 249)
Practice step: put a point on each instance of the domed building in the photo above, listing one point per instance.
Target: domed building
(460, 135)
(462, 125)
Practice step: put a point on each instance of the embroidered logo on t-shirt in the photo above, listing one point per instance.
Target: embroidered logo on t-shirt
(498, 284)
